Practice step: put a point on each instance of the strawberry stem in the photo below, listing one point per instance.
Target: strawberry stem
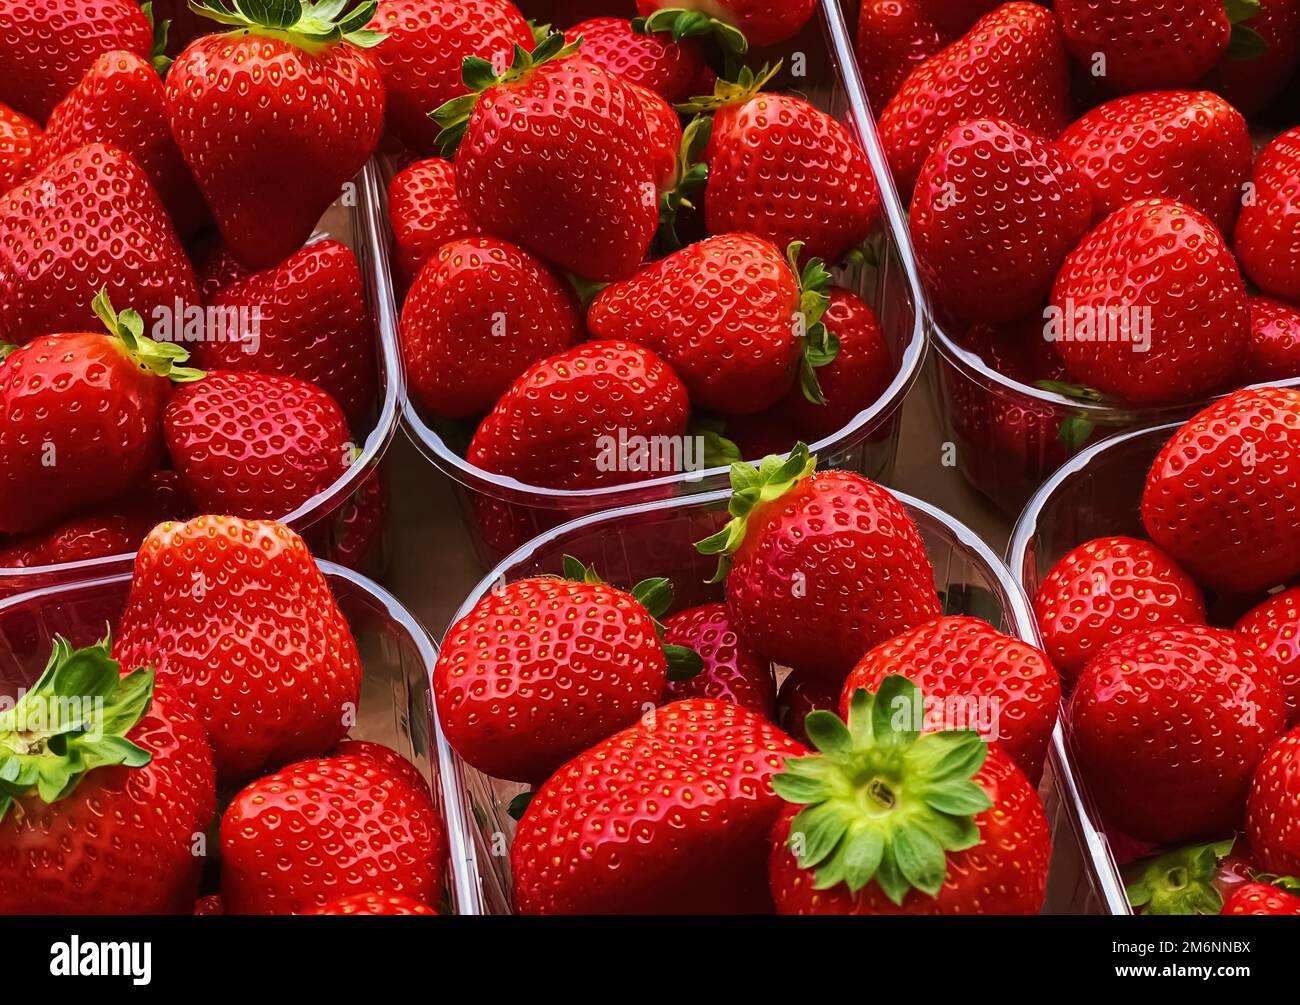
(746, 86)
(307, 25)
(820, 346)
(162, 359)
(681, 23)
(1180, 882)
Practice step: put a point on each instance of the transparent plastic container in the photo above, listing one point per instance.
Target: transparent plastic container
(504, 513)
(396, 653)
(328, 520)
(657, 539)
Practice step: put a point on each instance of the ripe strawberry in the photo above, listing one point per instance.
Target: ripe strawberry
(1272, 823)
(274, 123)
(304, 318)
(357, 528)
(100, 815)
(255, 445)
(1268, 230)
(374, 904)
(974, 677)
(1011, 65)
(1262, 898)
(1168, 725)
(1273, 352)
(18, 138)
(957, 16)
(897, 821)
(216, 268)
(820, 568)
(801, 694)
(385, 757)
(760, 22)
(1221, 495)
(45, 47)
(1192, 147)
(656, 61)
(1145, 47)
(88, 222)
(550, 427)
(1155, 273)
(1251, 83)
(121, 102)
(663, 136)
(239, 622)
(480, 313)
(699, 843)
(317, 831)
(1105, 589)
(551, 155)
(82, 418)
(732, 672)
(995, 213)
(1272, 628)
(894, 37)
(425, 214)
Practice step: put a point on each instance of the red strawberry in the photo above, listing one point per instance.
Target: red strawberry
(820, 568)
(995, 213)
(655, 61)
(663, 135)
(552, 155)
(801, 694)
(894, 37)
(1221, 496)
(1272, 822)
(1192, 147)
(1273, 352)
(102, 816)
(216, 269)
(760, 22)
(1268, 230)
(698, 844)
(121, 102)
(1262, 898)
(386, 757)
(480, 313)
(1252, 79)
(973, 677)
(957, 16)
(1150, 306)
(1103, 590)
(274, 123)
(1272, 628)
(304, 318)
(732, 671)
(425, 214)
(45, 47)
(88, 222)
(1011, 65)
(375, 904)
(553, 426)
(254, 445)
(1168, 725)
(18, 138)
(1147, 46)
(82, 418)
(358, 526)
(238, 620)
(301, 839)
(209, 906)
(896, 821)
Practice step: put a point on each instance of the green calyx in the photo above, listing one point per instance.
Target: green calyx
(1288, 884)
(73, 720)
(747, 85)
(1179, 882)
(883, 802)
(691, 178)
(1075, 430)
(479, 75)
(7, 350)
(751, 487)
(820, 345)
(1245, 42)
(519, 805)
(692, 24)
(161, 359)
(308, 25)
(158, 54)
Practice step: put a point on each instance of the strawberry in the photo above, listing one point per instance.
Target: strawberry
(655, 61)
(89, 221)
(209, 906)
(1272, 823)
(275, 117)
(1011, 65)
(425, 214)
(255, 445)
(974, 677)
(481, 312)
(1105, 589)
(357, 530)
(45, 47)
(1150, 306)
(892, 820)
(1262, 898)
(663, 136)
(995, 213)
(1220, 496)
(1168, 725)
(551, 155)
(18, 138)
(386, 757)
(1268, 230)
(551, 427)
(1251, 78)
(957, 16)
(1273, 352)
(732, 672)
(894, 37)
(736, 22)
(238, 620)
(317, 831)
(421, 58)
(819, 567)
(1145, 47)
(82, 417)
(1192, 147)
(698, 844)
(121, 102)
(106, 785)
(1272, 628)
(304, 318)
(802, 693)
(375, 904)
(216, 268)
